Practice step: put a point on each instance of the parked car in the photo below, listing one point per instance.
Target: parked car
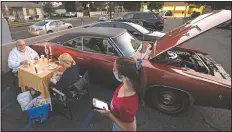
(168, 13)
(226, 25)
(48, 26)
(104, 17)
(137, 30)
(150, 20)
(70, 14)
(175, 76)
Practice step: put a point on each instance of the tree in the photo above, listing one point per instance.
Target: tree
(215, 5)
(48, 8)
(131, 6)
(155, 5)
(70, 6)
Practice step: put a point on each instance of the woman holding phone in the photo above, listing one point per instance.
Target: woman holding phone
(124, 102)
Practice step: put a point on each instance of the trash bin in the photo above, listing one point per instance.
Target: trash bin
(38, 114)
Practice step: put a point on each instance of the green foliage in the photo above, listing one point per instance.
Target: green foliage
(155, 5)
(48, 8)
(131, 5)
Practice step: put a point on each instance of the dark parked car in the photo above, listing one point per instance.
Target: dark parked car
(150, 20)
(137, 30)
(175, 76)
(168, 13)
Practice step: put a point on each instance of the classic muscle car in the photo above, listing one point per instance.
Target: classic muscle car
(174, 76)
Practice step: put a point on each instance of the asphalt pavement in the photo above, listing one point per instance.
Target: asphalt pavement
(217, 43)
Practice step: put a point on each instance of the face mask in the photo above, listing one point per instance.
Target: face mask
(117, 77)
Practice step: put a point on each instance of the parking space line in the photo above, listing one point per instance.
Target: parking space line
(28, 125)
(86, 121)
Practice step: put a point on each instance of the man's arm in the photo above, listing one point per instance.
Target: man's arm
(13, 61)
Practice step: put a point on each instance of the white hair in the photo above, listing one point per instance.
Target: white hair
(18, 41)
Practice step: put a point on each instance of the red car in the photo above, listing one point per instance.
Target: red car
(175, 76)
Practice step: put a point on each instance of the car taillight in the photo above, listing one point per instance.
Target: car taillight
(162, 20)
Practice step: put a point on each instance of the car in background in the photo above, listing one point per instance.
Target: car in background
(104, 17)
(175, 76)
(48, 26)
(70, 14)
(226, 25)
(168, 13)
(150, 20)
(137, 30)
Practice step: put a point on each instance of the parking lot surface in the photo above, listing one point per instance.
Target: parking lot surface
(217, 43)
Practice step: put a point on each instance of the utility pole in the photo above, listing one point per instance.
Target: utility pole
(110, 9)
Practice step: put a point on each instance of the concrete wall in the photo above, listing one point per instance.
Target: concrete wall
(95, 13)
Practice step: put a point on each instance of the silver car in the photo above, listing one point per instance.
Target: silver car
(48, 26)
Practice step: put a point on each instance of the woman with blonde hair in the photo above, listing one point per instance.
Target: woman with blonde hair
(70, 75)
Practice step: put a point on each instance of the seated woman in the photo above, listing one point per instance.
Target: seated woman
(70, 75)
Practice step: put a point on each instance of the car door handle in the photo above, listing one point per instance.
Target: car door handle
(80, 58)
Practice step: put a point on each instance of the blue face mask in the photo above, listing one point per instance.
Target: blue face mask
(117, 77)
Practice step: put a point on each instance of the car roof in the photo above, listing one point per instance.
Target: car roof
(91, 31)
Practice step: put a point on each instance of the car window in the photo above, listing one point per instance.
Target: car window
(125, 26)
(52, 24)
(127, 43)
(104, 25)
(98, 45)
(59, 22)
(144, 16)
(129, 16)
(40, 23)
(74, 43)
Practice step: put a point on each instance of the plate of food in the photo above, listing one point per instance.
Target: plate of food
(52, 66)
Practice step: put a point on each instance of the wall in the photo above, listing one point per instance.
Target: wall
(95, 13)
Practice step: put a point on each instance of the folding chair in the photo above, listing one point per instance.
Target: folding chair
(73, 93)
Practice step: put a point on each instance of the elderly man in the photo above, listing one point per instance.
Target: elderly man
(20, 55)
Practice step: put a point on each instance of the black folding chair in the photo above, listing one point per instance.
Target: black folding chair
(63, 100)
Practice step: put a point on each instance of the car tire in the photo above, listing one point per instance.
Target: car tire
(69, 27)
(168, 101)
(49, 31)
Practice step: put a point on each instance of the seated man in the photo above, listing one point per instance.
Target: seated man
(20, 55)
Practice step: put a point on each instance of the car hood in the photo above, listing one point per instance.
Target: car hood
(156, 34)
(190, 30)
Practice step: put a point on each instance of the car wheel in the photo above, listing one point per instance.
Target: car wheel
(49, 31)
(140, 23)
(69, 27)
(169, 101)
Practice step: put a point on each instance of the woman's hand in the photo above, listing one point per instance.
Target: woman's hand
(104, 112)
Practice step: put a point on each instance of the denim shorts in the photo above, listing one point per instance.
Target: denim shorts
(116, 128)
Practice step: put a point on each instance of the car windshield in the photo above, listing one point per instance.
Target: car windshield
(41, 23)
(140, 28)
(127, 43)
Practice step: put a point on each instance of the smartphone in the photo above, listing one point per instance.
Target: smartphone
(99, 104)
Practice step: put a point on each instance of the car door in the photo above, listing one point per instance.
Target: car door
(102, 54)
(130, 29)
(61, 25)
(53, 26)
